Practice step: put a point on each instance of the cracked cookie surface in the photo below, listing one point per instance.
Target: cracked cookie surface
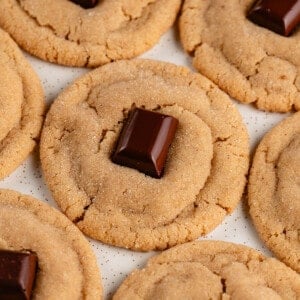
(65, 33)
(67, 267)
(119, 205)
(211, 270)
(274, 190)
(251, 63)
(21, 106)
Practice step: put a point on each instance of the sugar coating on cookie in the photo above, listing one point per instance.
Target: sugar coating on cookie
(249, 62)
(211, 270)
(204, 176)
(67, 267)
(63, 32)
(21, 106)
(274, 190)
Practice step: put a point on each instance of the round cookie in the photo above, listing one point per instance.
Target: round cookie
(204, 175)
(274, 190)
(67, 267)
(211, 270)
(65, 33)
(21, 106)
(249, 62)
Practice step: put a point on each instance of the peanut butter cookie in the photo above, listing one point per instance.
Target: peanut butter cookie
(204, 176)
(64, 32)
(249, 62)
(211, 270)
(21, 106)
(67, 267)
(274, 190)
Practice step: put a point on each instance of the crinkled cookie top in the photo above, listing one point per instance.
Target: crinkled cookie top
(249, 62)
(204, 175)
(63, 32)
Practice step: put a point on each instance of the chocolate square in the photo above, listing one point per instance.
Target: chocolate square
(86, 3)
(17, 274)
(280, 16)
(144, 141)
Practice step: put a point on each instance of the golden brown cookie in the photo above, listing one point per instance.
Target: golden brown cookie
(204, 175)
(21, 106)
(63, 32)
(274, 190)
(249, 62)
(67, 267)
(211, 270)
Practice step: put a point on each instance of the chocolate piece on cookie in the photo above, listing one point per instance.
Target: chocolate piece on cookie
(120, 205)
(67, 266)
(249, 62)
(211, 270)
(277, 15)
(274, 190)
(17, 274)
(86, 3)
(66, 33)
(144, 141)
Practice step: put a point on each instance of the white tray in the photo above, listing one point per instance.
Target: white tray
(116, 263)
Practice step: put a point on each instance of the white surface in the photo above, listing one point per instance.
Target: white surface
(116, 263)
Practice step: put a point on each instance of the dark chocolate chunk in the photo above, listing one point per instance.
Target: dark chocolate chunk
(280, 16)
(144, 141)
(86, 3)
(17, 274)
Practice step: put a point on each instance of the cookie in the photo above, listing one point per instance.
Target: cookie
(274, 190)
(249, 62)
(65, 33)
(67, 267)
(21, 106)
(204, 176)
(211, 270)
